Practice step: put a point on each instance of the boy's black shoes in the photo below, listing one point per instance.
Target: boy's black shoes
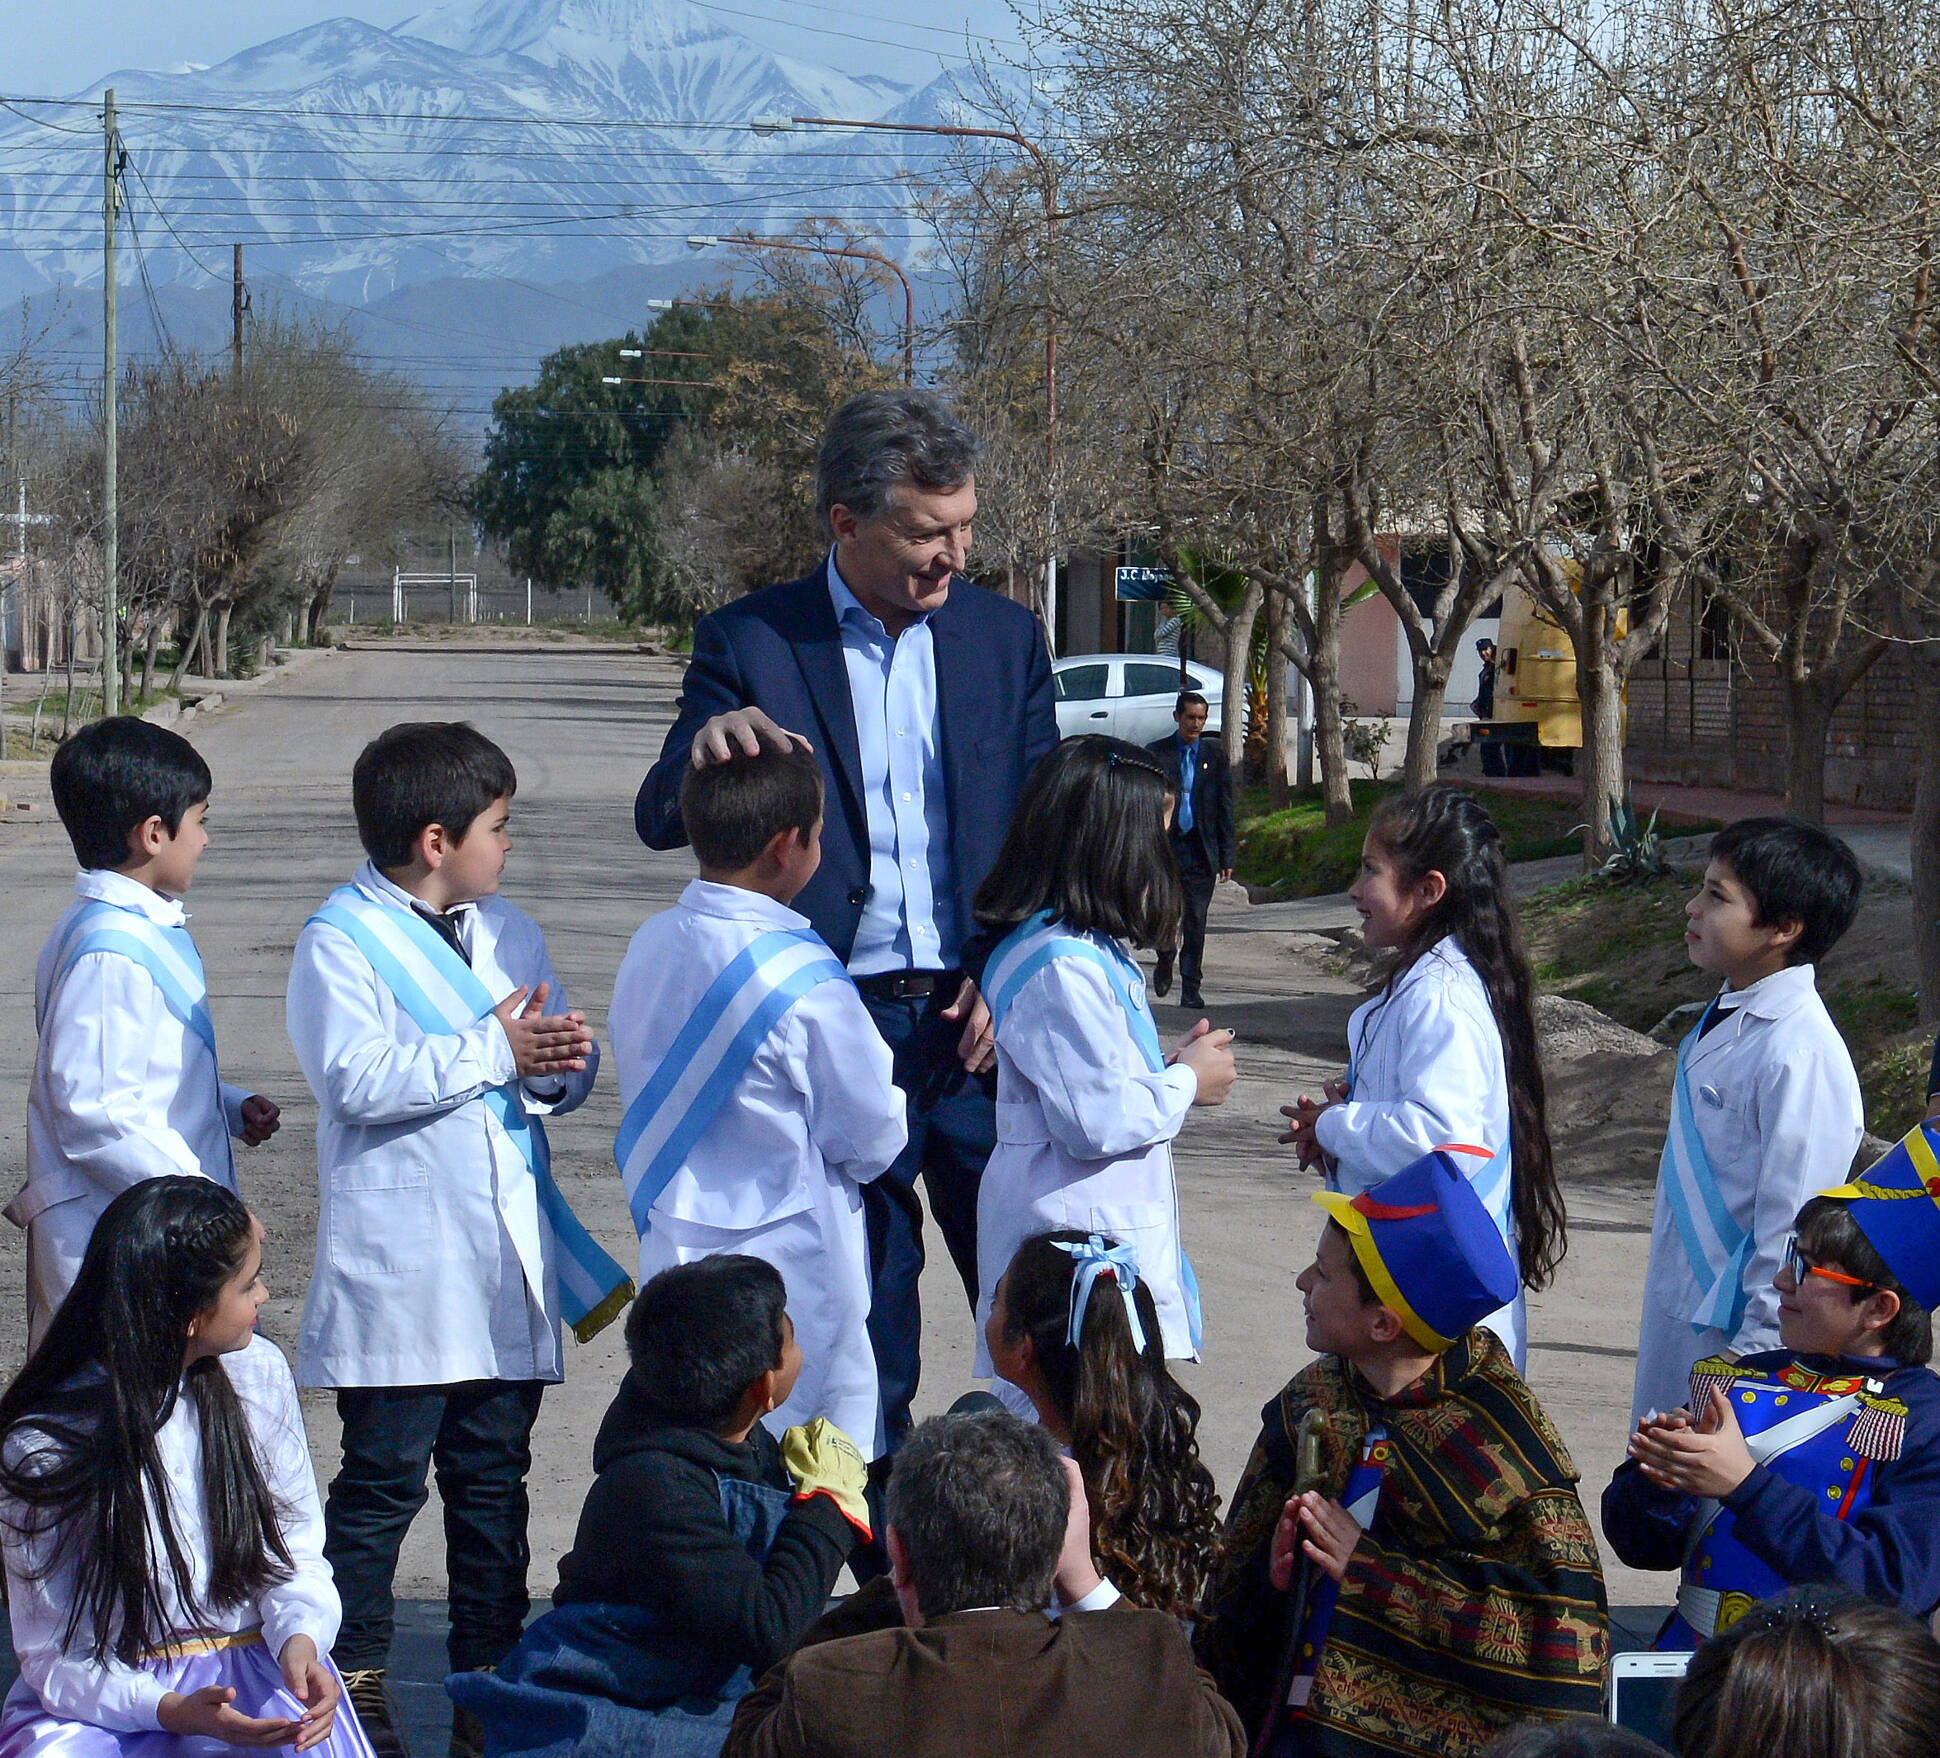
(1192, 998)
(1162, 977)
(376, 1711)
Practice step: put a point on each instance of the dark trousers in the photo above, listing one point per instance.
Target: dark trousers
(478, 1436)
(1197, 876)
(952, 1128)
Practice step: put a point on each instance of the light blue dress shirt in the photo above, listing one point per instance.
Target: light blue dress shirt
(909, 921)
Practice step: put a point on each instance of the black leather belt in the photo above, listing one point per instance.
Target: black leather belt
(909, 985)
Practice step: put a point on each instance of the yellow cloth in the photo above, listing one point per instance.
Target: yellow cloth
(824, 1461)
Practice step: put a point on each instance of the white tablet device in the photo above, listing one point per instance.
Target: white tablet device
(1641, 1686)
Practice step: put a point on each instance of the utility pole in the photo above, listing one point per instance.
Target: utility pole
(110, 373)
(238, 304)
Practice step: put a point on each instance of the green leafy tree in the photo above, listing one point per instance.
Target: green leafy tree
(567, 483)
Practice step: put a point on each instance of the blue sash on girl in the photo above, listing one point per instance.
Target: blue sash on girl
(709, 1055)
(444, 997)
(1715, 1247)
(1026, 950)
(1361, 1497)
(166, 954)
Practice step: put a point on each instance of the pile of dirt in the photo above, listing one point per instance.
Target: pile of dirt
(1571, 1030)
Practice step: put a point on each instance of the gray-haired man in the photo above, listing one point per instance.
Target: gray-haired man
(927, 700)
(988, 1528)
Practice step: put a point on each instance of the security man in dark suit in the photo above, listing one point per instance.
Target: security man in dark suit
(1202, 835)
(927, 700)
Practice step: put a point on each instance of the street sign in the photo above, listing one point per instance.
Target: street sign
(1144, 585)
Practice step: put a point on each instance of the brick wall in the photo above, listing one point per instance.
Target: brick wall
(1719, 721)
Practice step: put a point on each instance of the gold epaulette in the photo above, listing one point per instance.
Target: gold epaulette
(1878, 1431)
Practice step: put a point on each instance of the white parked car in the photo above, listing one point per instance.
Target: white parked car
(1128, 695)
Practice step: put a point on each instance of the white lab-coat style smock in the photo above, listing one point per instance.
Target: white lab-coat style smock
(122, 1092)
(420, 1279)
(1084, 1140)
(1778, 1109)
(778, 1173)
(1427, 1072)
(72, 1684)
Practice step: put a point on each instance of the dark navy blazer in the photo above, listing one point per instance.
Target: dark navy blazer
(779, 650)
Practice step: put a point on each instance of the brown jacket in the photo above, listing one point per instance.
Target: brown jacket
(987, 1684)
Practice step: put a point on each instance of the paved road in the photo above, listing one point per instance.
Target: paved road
(581, 726)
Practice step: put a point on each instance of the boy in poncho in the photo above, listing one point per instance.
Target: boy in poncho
(1407, 1566)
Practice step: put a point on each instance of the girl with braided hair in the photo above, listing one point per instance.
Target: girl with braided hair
(1088, 1101)
(1444, 1056)
(158, 1516)
(1075, 1328)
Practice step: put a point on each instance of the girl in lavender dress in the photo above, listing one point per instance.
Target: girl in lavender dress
(158, 1515)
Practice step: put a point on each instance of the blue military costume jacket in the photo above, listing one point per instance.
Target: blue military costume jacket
(1855, 1504)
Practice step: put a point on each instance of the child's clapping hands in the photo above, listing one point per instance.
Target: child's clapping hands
(543, 1043)
(1705, 1457)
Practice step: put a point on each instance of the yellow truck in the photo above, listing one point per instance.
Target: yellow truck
(1536, 721)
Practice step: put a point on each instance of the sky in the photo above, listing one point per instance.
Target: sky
(60, 47)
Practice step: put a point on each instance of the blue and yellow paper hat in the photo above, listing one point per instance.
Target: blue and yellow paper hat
(1429, 1247)
(1896, 1203)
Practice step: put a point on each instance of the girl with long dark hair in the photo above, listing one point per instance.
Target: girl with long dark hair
(1445, 1055)
(158, 1516)
(1075, 1328)
(1088, 1101)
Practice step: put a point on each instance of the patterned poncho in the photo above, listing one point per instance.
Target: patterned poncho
(1475, 1599)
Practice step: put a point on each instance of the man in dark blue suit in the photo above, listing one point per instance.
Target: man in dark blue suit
(1202, 836)
(926, 700)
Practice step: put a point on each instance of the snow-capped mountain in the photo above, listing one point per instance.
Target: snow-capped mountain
(544, 140)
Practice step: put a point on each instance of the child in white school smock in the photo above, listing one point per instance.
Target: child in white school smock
(125, 1081)
(1766, 1108)
(1087, 1101)
(127, 1647)
(759, 1094)
(1445, 1055)
(430, 1024)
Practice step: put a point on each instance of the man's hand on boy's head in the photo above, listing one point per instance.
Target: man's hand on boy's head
(260, 1120)
(1707, 1457)
(542, 1043)
(745, 732)
(1321, 1530)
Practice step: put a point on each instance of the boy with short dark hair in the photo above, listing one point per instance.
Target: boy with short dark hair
(759, 1094)
(1765, 1100)
(1406, 1567)
(1818, 1461)
(705, 1546)
(125, 1083)
(432, 1028)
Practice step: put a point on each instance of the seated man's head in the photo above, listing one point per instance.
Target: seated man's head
(977, 1509)
(756, 822)
(712, 1345)
(1836, 1295)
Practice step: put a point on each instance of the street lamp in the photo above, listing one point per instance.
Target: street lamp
(768, 125)
(710, 241)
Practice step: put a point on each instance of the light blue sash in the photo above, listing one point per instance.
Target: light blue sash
(709, 1055)
(1034, 943)
(1715, 1246)
(1026, 950)
(444, 997)
(167, 954)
